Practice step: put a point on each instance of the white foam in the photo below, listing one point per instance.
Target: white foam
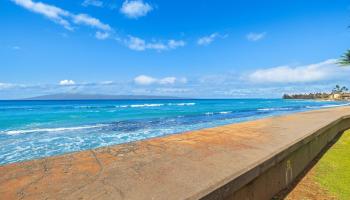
(157, 105)
(185, 104)
(15, 132)
(335, 105)
(265, 109)
(225, 112)
(146, 105)
(313, 107)
(329, 106)
(273, 109)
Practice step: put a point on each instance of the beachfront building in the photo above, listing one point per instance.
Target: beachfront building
(340, 96)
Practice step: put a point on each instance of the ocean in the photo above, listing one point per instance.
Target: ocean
(36, 129)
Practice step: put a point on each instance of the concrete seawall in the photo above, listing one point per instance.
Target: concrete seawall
(251, 160)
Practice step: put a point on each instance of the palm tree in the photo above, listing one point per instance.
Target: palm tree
(339, 90)
(345, 59)
(336, 89)
(344, 89)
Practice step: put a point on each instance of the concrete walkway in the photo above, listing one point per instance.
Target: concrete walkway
(183, 166)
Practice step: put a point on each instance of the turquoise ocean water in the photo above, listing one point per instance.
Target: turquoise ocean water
(36, 129)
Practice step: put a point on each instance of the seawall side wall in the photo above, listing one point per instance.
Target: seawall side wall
(278, 172)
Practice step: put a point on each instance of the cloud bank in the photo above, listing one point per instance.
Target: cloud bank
(286, 74)
(4, 86)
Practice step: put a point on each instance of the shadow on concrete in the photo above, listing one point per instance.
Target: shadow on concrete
(283, 194)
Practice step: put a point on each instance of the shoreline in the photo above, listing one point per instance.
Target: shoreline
(238, 120)
(188, 165)
(335, 100)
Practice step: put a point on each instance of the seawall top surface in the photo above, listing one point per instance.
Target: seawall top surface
(181, 166)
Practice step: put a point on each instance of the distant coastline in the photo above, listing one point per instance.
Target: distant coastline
(338, 94)
(320, 96)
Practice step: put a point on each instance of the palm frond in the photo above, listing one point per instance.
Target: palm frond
(345, 59)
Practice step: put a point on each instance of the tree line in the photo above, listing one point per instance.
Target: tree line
(324, 95)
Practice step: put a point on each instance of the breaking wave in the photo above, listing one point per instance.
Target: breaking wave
(60, 129)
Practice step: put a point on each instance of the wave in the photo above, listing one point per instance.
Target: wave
(329, 106)
(93, 107)
(146, 105)
(274, 109)
(182, 104)
(215, 113)
(225, 112)
(335, 105)
(156, 105)
(60, 129)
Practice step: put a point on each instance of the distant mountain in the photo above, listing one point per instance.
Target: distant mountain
(68, 96)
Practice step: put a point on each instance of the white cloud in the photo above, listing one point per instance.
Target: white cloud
(135, 8)
(4, 86)
(96, 3)
(54, 13)
(66, 82)
(255, 36)
(144, 80)
(300, 74)
(138, 44)
(61, 16)
(173, 90)
(148, 80)
(173, 44)
(206, 40)
(167, 80)
(10, 86)
(107, 82)
(182, 80)
(101, 35)
(90, 21)
(158, 46)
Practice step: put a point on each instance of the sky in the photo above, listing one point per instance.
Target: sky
(197, 49)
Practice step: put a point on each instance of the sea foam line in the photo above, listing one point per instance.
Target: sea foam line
(156, 105)
(225, 112)
(146, 105)
(329, 106)
(23, 131)
(274, 109)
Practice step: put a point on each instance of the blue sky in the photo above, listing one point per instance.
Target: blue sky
(211, 49)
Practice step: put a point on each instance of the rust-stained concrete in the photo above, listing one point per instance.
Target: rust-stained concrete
(191, 165)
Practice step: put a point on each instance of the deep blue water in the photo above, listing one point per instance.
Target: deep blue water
(35, 129)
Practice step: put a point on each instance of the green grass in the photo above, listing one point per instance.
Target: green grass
(333, 170)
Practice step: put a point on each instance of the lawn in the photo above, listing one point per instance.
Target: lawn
(332, 172)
